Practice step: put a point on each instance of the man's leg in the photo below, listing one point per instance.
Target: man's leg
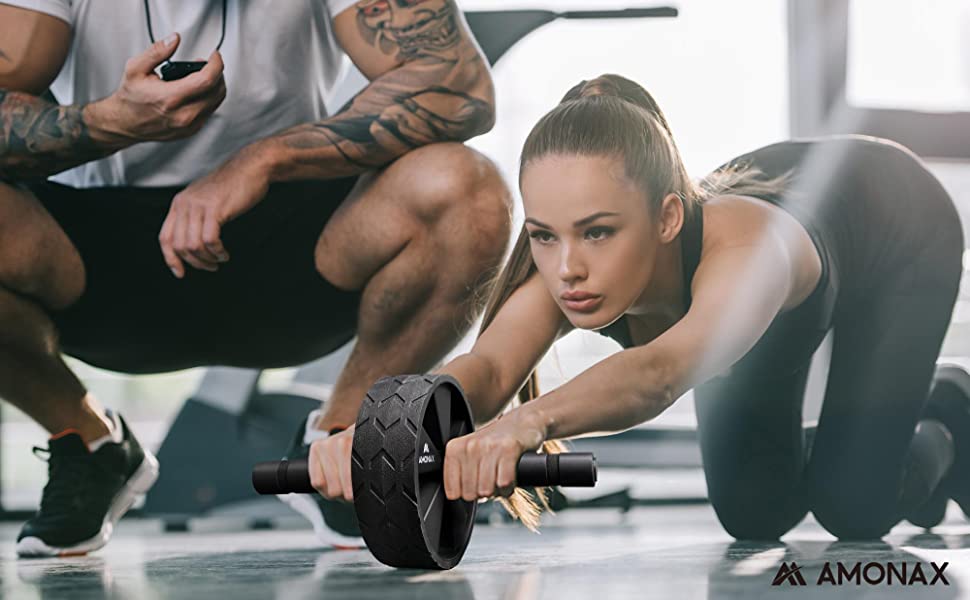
(96, 468)
(420, 238)
(40, 270)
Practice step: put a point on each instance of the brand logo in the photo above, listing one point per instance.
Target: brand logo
(792, 574)
(870, 573)
(426, 456)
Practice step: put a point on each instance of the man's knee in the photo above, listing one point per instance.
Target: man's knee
(36, 257)
(453, 179)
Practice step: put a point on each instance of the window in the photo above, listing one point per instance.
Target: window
(899, 70)
(909, 55)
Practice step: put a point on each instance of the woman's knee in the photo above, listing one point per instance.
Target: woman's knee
(850, 513)
(762, 513)
(762, 527)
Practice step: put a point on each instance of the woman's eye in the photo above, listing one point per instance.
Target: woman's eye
(541, 236)
(598, 233)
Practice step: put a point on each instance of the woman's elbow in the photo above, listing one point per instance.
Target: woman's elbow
(655, 389)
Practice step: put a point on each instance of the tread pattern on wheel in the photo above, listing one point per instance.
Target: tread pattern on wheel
(383, 470)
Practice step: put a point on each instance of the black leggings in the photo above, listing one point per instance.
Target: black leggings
(866, 469)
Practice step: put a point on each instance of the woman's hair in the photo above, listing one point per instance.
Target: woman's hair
(610, 116)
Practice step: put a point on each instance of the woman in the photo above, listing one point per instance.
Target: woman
(726, 287)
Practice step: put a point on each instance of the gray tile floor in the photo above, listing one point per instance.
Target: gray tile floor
(657, 552)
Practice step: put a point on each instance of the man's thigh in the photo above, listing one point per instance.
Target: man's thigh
(266, 307)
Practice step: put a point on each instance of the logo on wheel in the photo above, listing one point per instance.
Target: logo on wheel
(426, 456)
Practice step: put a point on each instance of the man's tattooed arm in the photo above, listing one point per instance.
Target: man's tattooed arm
(430, 83)
(38, 138)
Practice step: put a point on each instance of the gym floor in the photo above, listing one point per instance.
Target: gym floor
(663, 551)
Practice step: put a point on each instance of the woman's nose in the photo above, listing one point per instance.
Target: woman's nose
(570, 265)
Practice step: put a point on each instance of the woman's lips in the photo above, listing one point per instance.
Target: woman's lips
(585, 305)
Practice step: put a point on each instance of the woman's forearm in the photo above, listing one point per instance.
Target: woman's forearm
(622, 391)
(477, 379)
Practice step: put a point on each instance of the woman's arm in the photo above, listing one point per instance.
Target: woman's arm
(490, 374)
(509, 349)
(737, 292)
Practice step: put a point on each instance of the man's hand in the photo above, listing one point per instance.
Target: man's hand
(193, 228)
(146, 108)
(484, 463)
(329, 465)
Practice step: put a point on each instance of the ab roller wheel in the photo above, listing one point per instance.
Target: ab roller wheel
(402, 430)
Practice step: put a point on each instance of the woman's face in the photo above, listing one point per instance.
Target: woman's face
(591, 233)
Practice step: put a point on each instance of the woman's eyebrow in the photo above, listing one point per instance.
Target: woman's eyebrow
(579, 223)
(593, 217)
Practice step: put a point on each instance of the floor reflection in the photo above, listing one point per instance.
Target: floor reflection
(678, 554)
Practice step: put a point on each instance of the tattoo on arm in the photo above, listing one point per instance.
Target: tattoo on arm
(409, 28)
(38, 138)
(441, 91)
(4, 56)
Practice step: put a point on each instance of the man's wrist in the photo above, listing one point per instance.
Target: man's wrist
(267, 158)
(101, 119)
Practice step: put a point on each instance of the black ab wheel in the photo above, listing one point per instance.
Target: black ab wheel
(402, 429)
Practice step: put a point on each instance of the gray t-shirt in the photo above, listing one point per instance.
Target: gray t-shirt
(283, 67)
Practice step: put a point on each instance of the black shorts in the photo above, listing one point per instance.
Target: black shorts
(266, 307)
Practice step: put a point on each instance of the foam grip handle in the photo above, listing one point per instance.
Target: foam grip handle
(569, 469)
(282, 477)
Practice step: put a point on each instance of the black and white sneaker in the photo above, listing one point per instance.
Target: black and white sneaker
(949, 403)
(334, 521)
(86, 492)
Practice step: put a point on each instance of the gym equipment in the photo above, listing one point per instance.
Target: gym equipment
(497, 31)
(177, 69)
(402, 430)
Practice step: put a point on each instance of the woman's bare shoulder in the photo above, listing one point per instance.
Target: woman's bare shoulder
(736, 220)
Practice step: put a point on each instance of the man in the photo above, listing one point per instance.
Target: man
(224, 217)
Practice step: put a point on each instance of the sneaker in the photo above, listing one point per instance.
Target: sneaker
(334, 521)
(949, 403)
(86, 492)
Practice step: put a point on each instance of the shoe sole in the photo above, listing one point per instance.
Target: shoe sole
(310, 510)
(137, 485)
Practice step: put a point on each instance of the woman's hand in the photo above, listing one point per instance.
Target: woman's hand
(483, 464)
(329, 465)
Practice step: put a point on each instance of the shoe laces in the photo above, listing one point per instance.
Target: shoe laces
(69, 477)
